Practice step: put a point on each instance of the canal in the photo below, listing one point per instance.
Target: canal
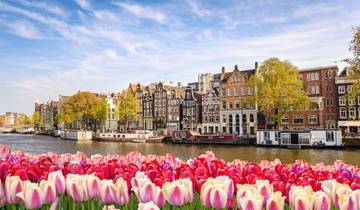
(43, 144)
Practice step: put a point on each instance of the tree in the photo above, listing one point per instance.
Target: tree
(82, 107)
(128, 107)
(354, 63)
(278, 89)
(36, 119)
(2, 120)
(24, 120)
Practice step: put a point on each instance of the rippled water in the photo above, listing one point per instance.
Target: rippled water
(43, 144)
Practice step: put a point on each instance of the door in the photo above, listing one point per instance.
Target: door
(294, 138)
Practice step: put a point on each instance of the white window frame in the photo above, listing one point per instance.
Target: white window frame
(351, 101)
(342, 101)
(285, 122)
(342, 113)
(341, 89)
(312, 117)
(298, 117)
(352, 112)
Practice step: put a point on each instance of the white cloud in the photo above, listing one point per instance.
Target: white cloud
(25, 29)
(143, 12)
(84, 4)
(195, 8)
(56, 10)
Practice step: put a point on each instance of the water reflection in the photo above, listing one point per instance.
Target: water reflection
(43, 144)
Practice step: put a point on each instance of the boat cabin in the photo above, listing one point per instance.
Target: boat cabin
(318, 137)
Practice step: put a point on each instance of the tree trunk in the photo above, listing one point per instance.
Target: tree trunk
(276, 121)
(126, 125)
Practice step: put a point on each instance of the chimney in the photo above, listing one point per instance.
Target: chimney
(256, 66)
(236, 67)
(223, 70)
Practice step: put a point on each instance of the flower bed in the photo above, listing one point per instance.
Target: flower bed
(135, 181)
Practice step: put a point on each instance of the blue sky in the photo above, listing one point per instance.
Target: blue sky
(57, 47)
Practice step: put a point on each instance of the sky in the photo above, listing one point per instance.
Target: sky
(58, 47)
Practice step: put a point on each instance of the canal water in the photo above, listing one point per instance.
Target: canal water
(44, 144)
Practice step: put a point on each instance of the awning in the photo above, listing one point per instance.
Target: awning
(349, 123)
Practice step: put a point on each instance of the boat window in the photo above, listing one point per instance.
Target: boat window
(304, 138)
(266, 136)
(285, 138)
(330, 137)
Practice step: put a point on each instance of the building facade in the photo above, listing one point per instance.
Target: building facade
(191, 110)
(348, 106)
(148, 111)
(111, 123)
(238, 115)
(174, 111)
(205, 82)
(210, 112)
(160, 107)
(319, 84)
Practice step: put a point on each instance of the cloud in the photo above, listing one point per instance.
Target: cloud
(195, 8)
(84, 4)
(143, 12)
(25, 29)
(56, 10)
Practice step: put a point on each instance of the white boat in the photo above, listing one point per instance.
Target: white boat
(76, 135)
(299, 138)
(134, 136)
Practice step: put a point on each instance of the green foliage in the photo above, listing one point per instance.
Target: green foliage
(354, 63)
(127, 106)
(278, 88)
(83, 107)
(36, 118)
(25, 120)
(101, 110)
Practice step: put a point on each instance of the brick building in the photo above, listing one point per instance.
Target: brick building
(210, 112)
(319, 84)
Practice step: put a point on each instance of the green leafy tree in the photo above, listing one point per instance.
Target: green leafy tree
(354, 62)
(127, 107)
(25, 120)
(36, 119)
(82, 107)
(278, 89)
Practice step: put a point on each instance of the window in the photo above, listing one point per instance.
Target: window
(349, 88)
(313, 119)
(314, 90)
(329, 88)
(236, 91)
(352, 112)
(285, 120)
(329, 102)
(205, 119)
(330, 137)
(224, 104)
(341, 89)
(351, 101)
(224, 118)
(237, 104)
(230, 105)
(342, 112)
(243, 91)
(266, 136)
(230, 92)
(223, 92)
(342, 101)
(313, 76)
(251, 91)
(298, 119)
(358, 100)
(251, 117)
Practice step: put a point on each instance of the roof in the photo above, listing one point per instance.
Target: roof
(246, 72)
(319, 68)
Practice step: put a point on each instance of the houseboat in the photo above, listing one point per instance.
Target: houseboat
(194, 137)
(299, 138)
(138, 136)
(76, 135)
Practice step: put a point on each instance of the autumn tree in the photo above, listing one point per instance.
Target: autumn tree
(83, 108)
(2, 120)
(278, 89)
(25, 120)
(127, 107)
(354, 62)
(36, 119)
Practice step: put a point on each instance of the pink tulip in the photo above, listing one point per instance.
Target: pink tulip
(321, 201)
(148, 206)
(13, 186)
(76, 187)
(59, 181)
(264, 188)
(214, 193)
(228, 185)
(356, 195)
(251, 202)
(48, 192)
(31, 195)
(159, 197)
(93, 186)
(178, 192)
(122, 193)
(341, 191)
(275, 202)
(301, 198)
(243, 189)
(145, 192)
(347, 202)
(108, 192)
